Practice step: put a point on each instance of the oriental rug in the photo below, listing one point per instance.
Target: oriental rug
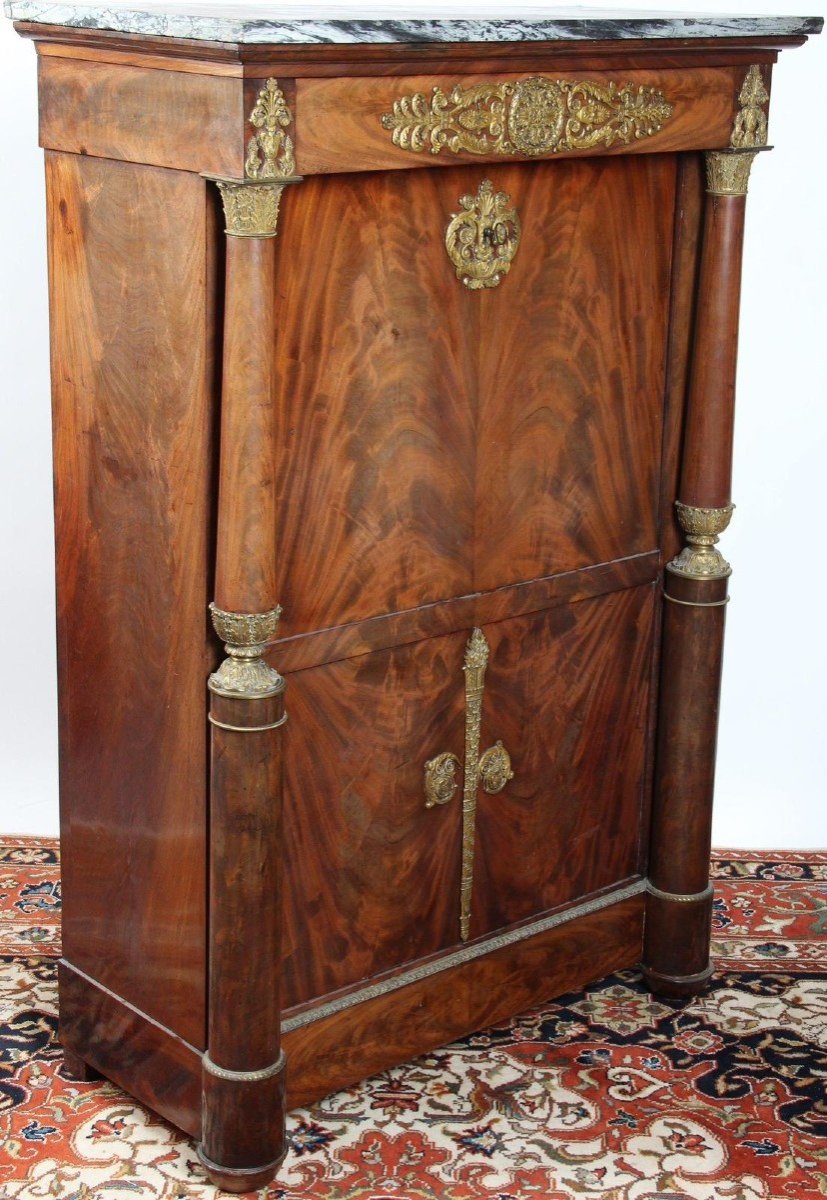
(608, 1093)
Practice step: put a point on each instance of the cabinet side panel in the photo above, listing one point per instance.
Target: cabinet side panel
(130, 265)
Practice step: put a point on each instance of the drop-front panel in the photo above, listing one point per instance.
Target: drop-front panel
(399, 360)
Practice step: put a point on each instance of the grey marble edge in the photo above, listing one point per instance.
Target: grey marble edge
(304, 31)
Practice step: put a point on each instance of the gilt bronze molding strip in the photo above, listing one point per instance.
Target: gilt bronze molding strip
(491, 770)
(464, 954)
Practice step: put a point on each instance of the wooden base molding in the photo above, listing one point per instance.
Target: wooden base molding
(128, 1047)
(349, 1043)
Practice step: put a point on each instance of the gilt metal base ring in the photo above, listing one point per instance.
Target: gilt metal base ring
(245, 728)
(697, 603)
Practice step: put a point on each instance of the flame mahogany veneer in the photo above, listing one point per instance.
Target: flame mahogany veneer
(331, 421)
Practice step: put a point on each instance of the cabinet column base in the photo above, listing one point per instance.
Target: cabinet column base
(244, 1180)
(677, 987)
(676, 938)
(242, 1121)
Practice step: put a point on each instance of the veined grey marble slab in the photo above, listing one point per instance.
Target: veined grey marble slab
(290, 24)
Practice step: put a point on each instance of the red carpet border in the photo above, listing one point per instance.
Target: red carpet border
(607, 1093)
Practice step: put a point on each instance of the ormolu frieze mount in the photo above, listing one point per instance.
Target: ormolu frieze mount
(491, 770)
(531, 117)
(251, 205)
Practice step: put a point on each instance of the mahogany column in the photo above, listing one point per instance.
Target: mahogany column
(243, 1068)
(679, 900)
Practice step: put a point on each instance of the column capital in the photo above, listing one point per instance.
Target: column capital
(727, 171)
(700, 558)
(251, 204)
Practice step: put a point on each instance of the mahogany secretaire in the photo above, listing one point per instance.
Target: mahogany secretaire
(393, 374)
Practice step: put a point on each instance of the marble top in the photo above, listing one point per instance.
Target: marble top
(288, 23)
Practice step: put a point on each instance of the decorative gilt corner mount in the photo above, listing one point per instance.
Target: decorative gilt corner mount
(728, 171)
(251, 205)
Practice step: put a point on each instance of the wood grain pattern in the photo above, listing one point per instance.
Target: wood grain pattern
(353, 1044)
(461, 613)
(131, 376)
(161, 118)
(420, 451)
(371, 875)
(245, 555)
(375, 403)
(338, 121)
(567, 693)
(677, 933)
(571, 366)
(706, 475)
(402, 459)
(162, 1070)
(689, 201)
(328, 1054)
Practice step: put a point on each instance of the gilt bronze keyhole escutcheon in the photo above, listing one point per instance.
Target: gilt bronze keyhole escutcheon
(441, 779)
(495, 768)
(482, 239)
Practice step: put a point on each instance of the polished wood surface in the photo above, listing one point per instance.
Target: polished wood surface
(689, 202)
(339, 120)
(332, 422)
(197, 121)
(131, 308)
(706, 476)
(431, 454)
(355, 1043)
(102, 1031)
(245, 573)
(338, 1049)
(377, 870)
(567, 824)
(571, 362)
(300, 651)
(676, 949)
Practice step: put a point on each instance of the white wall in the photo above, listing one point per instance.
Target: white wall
(772, 775)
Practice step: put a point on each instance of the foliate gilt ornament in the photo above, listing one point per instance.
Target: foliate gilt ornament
(700, 558)
(270, 151)
(728, 171)
(750, 127)
(244, 673)
(440, 779)
(534, 116)
(482, 240)
(251, 204)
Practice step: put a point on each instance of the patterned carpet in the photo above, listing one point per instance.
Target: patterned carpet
(606, 1093)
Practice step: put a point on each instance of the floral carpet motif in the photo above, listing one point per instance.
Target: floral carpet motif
(607, 1093)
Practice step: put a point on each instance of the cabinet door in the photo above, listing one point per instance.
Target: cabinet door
(567, 692)
(371, 874)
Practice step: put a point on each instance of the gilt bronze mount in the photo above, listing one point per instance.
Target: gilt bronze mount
(532, 117)
(244, 674)
(251, 205)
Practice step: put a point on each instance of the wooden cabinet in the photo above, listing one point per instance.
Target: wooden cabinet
(409, 360)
